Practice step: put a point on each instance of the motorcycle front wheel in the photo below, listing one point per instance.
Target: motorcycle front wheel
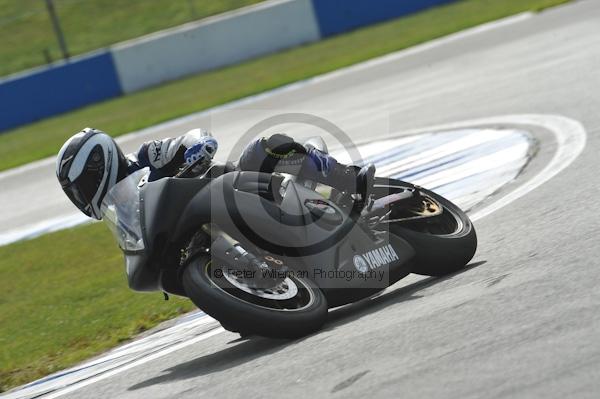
(293, 307)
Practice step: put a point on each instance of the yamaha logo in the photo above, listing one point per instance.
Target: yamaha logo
(360, 264)
(375, 258)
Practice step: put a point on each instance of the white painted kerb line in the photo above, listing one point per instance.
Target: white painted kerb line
(136, 363)
(570, 138)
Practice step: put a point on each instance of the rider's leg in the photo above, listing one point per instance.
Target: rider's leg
(281, 153)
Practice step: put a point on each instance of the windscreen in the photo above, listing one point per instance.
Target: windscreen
(121, 211)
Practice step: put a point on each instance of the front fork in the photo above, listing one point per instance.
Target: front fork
(227, 251)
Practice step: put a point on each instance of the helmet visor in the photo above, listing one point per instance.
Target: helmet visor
(84, 188)
(77, 198)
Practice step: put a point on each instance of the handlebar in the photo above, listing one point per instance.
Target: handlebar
(188, 168)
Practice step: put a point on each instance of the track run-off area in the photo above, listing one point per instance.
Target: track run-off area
(502, 119)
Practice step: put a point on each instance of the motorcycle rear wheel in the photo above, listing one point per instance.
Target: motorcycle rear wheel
(445, 243)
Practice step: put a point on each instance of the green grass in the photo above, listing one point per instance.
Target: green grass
(64, 295)
(26, 30)
(64, 299)
(142, 109)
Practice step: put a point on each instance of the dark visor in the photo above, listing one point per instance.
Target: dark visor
(82, 190)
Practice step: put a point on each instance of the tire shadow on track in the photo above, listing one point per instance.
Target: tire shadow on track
(349, 313)
(246, 350)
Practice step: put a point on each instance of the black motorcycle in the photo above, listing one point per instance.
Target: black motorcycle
(270, 253)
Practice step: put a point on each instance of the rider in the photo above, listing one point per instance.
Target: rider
(91, 162)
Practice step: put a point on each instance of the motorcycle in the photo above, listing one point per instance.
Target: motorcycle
(269, 253)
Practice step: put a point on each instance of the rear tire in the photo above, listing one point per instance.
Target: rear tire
(236, 311)
(437, 254)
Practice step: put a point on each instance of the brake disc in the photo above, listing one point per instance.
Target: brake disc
(282, 291)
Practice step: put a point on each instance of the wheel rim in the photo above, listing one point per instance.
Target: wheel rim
(428, 220)
(445, 224)
(284, 290)
(303, 295)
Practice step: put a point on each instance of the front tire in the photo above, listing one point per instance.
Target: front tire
(240, 311)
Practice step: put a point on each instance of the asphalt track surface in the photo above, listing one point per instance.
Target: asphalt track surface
(522, 321)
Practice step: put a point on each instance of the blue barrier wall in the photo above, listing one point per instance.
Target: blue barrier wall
(50, 91)
(337, 16)
(191, 48)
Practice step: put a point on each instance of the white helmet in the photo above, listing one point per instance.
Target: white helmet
(87, 166)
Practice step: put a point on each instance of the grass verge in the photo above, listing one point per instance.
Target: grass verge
(65, 299)
(64, 295)
(148, 107)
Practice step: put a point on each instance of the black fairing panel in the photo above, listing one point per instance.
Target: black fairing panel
(246, 211)
(166, 200)
(140, 277)
(223, 204)
(163, 201)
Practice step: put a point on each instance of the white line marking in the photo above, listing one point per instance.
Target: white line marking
(570, 137)
(45, 227)
(136, 363)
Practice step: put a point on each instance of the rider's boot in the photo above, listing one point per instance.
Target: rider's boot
(354, 180)
(365, 178)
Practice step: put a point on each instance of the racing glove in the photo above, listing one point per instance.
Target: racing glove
(204, 150)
